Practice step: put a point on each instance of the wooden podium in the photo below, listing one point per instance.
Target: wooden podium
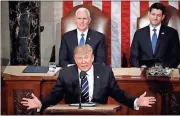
(16, 85)
(108, 109)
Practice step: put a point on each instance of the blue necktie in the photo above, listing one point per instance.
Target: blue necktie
(82, 39)
(154, 40)
(85, 90)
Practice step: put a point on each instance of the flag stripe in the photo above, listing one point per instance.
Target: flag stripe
(106, 8)
(123, 23)
(164, 2)
(125, 28)
(144, 5)
(174, 4)
(152, 1)
(115, 34)
(67, 6)
(97, 3)
(79, 2)
(134, 14)
(87, 2)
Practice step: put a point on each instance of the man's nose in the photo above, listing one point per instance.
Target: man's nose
(156, 17)
(82, 20)
(83, 61)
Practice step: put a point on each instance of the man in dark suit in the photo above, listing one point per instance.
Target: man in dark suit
(156, 41)
(82, 35)
(97, 85)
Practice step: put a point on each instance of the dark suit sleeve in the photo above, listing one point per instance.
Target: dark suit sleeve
(119, 95)
(175, 51)
(134, 51)
(56, 94)
(63, 53)
(101, 51)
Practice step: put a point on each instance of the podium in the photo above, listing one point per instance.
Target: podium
(16, 85)
(99, 109)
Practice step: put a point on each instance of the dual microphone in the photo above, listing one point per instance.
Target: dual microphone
(82, 76)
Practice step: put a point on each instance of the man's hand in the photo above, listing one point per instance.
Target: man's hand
(145, 101)
(31, 103)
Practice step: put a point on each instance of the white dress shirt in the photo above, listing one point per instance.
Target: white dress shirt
(90, 78)
(79, 35)
(157, 30)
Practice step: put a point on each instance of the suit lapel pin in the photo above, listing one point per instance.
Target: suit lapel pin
(98, 77)
(89, 38)
(162, 33)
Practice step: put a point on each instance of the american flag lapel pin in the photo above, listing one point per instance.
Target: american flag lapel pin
(162, 33)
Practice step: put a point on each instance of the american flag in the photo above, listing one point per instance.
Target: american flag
(123, 17)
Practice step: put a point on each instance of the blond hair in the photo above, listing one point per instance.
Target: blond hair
(83, 48)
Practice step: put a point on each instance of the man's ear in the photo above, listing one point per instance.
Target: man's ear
(92, 58)
(163, 17)
(148, 13)
(75, 59)
(89, 20)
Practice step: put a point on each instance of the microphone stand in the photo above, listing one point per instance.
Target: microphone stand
(80, 95)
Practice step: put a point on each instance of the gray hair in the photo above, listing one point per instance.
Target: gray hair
(83, 47)
(84, 10)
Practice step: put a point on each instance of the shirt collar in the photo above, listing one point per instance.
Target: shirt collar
(90, 72)
(85, 32)
(157, 27)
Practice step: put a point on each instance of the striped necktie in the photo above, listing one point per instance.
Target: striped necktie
(85, 90)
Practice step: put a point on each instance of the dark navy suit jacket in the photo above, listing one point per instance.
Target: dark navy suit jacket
(167, 47)
(69, 41)
(67, 86)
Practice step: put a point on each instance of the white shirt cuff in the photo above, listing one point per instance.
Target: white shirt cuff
(135, 105)
(39, 109)
(70, 65)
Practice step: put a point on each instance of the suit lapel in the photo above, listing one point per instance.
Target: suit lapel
(75, 38)
(88, 38)
(97, 82)
(160, 37)
(149, 44)
(75, 80)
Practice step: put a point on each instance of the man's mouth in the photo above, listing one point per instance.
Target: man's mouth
(84, 66)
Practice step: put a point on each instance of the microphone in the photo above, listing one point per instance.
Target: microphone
(82, 76)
